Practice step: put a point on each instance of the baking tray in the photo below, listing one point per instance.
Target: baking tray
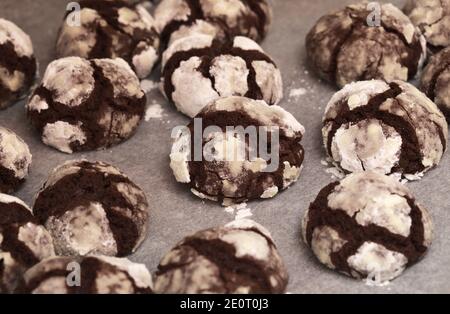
(175, 212)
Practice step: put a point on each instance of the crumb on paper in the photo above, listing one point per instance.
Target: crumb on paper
(230, 210)
(240, 211)
(376, 280)
(297, 92)
(243, 213)
(335, 172)
(148, 86)
(154, 111)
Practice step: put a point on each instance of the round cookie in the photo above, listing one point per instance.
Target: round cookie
(435, 80)
(199, 69)
(18, 67)
(15, 161)
(23, 242)
(239, 257)
(433, 19)
(230, 168)
(87, 104)
(367, 226)
(390, 128)
(343, 48)
(87, 275)
(223, 18)
(111, 29)
(92, 208)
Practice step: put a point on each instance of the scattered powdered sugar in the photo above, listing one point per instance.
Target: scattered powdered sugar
(154, 111)
(230, 210)
(240, 211)
(148, 86)
(335, 172)
(243, 213)
(375, 279)
(297, 92)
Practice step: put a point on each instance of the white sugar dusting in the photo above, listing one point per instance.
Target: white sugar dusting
(243, 213)
(240, 211)
(154, 111)
(335, 172)
(297, 92)
(148, 86)
(375, 279)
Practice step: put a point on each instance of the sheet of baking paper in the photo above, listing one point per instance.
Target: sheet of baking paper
(175, 212)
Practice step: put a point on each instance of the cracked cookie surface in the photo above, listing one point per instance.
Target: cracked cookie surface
(86, 104)
(433, 19)
(23, 242)
(391, 128)
(239, 257)
(435, 80)
(234, 169)
(18, 65)
(199, 69)
(111, 29)
(15, 161)
(95, 274)
(343, 48)
(92, 208)
(367, 226)
(219, 18)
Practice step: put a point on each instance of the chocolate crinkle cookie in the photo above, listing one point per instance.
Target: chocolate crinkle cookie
(239, 257)
(92, 208)
(199, 69)
(433, 19)
(111, 29)
(15, 161)
(367, 226)
(87, 275)
(18, 67)
(243, 150)
(222, 18)
(435, 80)
(23, 243)
(87, 104)
(390, 128)
(343, 48)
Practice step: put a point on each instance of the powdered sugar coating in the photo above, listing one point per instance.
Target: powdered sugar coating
(119, 29)
(15, 160)
(18, 65)
(348, 46)
(22, 242)
(435, 80)
(73, 86)
(433, 19)
(189, 269)
(373, 210)
(22, 42)
(89, 225)
(107, 275)
(230, 153)
(202, 64)
(180, 18)
(374, 141)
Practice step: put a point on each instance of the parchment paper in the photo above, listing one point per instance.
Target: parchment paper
(175, 212)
